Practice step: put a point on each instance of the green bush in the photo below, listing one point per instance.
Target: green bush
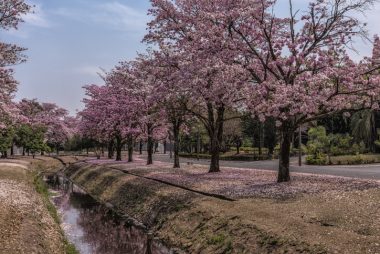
(318, 159)
(322, 146)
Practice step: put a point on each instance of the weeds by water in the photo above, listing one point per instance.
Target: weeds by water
(43, 190)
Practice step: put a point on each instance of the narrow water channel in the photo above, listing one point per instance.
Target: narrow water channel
(92, 227)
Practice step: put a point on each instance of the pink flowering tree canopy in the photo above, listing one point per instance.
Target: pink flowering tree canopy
(295, 69)
(11, 13)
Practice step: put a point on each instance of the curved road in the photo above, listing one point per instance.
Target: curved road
(369, 171)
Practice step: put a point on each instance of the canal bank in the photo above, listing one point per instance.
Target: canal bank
(94, 228)
(28, 221)
(186, 220)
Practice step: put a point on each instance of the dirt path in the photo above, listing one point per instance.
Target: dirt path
(25, 223)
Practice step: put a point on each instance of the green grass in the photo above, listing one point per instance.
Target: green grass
(216, 239)
(43, 190)
(70, 248)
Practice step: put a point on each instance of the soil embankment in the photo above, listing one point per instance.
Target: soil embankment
(317, 214)
(26, 223)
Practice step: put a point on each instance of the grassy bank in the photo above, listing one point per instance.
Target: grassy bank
(26, 220)
(309, 215)
(43, 190)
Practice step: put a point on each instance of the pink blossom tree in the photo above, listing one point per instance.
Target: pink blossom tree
(172, 94)
(58, 124)
(10, 16)
(109, 113)
(151, 116)
(93, 124)
(11, 12)
(214, 81)
(298, 66)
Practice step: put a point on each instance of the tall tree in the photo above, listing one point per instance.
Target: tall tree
(10, 17)
(299, 66)
(215, 82)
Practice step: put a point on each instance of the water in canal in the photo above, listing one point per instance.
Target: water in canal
(95, 229)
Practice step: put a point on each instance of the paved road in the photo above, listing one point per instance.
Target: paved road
(370, 171)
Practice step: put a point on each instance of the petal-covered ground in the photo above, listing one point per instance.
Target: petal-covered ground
(240, 183)
(25, 223)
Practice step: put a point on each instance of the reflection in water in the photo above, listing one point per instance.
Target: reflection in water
(93, 228)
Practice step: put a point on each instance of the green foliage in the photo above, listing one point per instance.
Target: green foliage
(216, 239)
(318, 159)
(321, 146)
(355, 159)
(42, 189)
(341, 144)
(317, 146)
(6, 138)
(256, 133)
(31, 138)
(70, 248)
(363, 128)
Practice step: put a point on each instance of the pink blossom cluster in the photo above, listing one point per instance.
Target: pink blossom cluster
(214, 60)
(11, 12)
(240, 56)
(56, 120)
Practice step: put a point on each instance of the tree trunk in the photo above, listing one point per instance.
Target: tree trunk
(170, 147)
(176, 127)
(156, 147)
(23, 151)
(130, 148)
(141, 147)
(286, 141)
(216, 136)
(12, 149)
(150, 146)
(111, 150)
(299, 147)
(260, 140)
(57, 149)
(119, 147)
(165, 146)
(215, 156)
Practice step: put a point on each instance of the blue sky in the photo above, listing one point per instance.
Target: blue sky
(69, 41)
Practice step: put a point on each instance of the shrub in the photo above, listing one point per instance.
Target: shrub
(318, 159)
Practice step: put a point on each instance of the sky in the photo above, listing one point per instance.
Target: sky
(69, 42)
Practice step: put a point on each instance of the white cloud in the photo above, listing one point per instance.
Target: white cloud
(112, 14)
(121, 17)
(37, 17)
(89, 70)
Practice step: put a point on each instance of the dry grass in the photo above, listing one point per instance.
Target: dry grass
(25, 224)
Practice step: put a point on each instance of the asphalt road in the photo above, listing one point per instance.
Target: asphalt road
(369, 171)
